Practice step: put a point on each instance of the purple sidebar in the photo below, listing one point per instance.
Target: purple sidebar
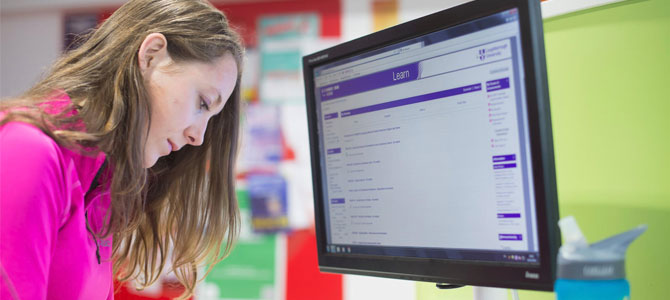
(509, 237)
(504, 166)
(337, 201)
(506, 216)
(331, 116)
(501, 158)
(497, 84)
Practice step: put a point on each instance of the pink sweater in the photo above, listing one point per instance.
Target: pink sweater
(46, 251)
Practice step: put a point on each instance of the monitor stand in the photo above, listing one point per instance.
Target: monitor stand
(479, 292)
(488, 293)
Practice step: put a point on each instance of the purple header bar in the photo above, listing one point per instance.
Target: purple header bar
(337, 201)
(497, 84)
(509, 237)
(331, 116)
(507, 216)
(334, 151)
(504, 166)
(412, 100)
(501, 158)
(372, 81)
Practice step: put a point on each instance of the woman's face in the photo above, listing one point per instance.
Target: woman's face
(184, 96)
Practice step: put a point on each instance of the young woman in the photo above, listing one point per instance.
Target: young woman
(126, 148)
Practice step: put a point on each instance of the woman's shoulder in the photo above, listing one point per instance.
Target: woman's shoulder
(31, 169)
(26, 138)
(21, 134)
(28, 143)
(28, 156)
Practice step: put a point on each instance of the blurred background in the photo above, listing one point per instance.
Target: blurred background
(608, 65)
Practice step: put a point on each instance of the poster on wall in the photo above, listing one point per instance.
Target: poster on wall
(261, 148)
(553, 8)
(267, 198)
(281, 42)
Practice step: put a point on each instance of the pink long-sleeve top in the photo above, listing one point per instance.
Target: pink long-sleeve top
(46, 251)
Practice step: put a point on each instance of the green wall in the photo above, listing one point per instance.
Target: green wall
(609, 85)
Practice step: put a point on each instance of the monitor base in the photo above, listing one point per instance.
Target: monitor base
(447, 286)
(488, 293)
(479, 292)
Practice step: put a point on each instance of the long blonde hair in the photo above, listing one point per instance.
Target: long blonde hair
(187, 199)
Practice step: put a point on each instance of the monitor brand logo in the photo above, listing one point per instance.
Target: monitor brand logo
(318, 58)
(531, 275)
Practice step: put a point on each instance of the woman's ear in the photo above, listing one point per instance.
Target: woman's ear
(153, 51)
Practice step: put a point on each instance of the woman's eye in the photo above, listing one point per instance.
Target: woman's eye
(203, 104)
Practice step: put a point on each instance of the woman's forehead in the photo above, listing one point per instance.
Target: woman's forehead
(217, 73)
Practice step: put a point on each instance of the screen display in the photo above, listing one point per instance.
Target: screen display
(425, 150)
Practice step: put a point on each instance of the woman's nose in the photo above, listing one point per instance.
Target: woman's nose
(195, 135)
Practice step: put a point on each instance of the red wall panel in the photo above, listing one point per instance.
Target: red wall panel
(244, 16)
(304, 281)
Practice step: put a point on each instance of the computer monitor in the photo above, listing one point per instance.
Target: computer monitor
(431, 150)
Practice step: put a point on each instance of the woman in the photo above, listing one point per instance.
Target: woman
(125, 149)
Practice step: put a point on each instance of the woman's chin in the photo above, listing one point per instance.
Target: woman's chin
(150, 161)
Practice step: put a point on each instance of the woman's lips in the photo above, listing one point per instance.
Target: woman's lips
(173, 147)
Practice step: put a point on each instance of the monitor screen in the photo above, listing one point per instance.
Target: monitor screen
(425, 147)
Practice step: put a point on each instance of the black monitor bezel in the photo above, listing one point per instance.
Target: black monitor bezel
(493, 274)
